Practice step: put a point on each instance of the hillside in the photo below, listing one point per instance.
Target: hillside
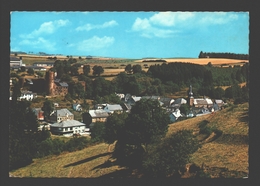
(225, 155)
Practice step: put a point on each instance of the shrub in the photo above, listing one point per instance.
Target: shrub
(97, 132)
(76, 144)
(171, 155)
(49, 146)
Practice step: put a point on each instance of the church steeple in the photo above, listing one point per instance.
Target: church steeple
(190, 92)
(191, 99)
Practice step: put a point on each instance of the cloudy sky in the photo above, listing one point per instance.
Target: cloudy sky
(130, 34)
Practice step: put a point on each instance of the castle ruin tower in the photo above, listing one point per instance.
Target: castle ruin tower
(191, 98)
(49, 78)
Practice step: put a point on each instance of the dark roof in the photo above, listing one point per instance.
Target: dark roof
(166, 101)
(63, 84)
(151, 97)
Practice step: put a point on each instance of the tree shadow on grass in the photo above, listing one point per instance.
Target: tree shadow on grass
(87, 159)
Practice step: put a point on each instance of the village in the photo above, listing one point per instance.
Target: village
(62, 121)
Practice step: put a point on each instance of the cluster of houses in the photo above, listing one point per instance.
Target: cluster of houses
(62, 120)
(17, 63)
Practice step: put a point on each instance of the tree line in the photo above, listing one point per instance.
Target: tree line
(223, 55)
(160, 80)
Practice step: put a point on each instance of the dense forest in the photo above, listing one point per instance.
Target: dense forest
(223, 55)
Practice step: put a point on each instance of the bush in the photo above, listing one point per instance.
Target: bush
(49, 147)
(97, 132)
(171, 155)
(76, 144)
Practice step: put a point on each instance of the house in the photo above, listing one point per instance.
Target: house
(36, 68)
(61, 115)
(43, 64)
(127, 96)
(180, 101)
(77, 107)
(151, 97)
(55, 86)
(204, 111)
(56, 104)
(68, 128)
(132, 100)
(175, 115)
(28, 95)
(99, 106)
(202, 102)
(46, 126)
(39, 113)
(126, 107)
(14, 61)
(219, 102)
(166, 101)
(98, 115)
(121, 96)
(61, 88)
(113, 108)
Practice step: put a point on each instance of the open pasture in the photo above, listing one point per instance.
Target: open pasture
(200, 61)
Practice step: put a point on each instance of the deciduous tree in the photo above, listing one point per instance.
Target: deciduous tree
(47, 109)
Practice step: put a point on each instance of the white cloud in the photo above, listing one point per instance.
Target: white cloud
(217, 18)
(95, 43)
(170, 18)
(167, 24)
(46, 28)
(141, 24)
(39, 43)
(88, 26)
(145, 29)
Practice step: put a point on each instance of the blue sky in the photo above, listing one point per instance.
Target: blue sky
(130, 34)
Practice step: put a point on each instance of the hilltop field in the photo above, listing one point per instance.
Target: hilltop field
(113, 66)
(221, 155)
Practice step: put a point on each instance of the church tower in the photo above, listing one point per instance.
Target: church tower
(191, 98)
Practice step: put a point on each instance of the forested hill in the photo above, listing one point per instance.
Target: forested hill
(181, 73)
(223, 55)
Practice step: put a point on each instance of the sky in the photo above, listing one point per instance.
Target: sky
(132, 35)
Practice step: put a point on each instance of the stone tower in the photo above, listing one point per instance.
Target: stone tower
(49, 77)
(191, 98)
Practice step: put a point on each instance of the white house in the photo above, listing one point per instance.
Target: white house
(113, 108)
(68, 128)
(14, 61)
(76, 107)
(175, 115)
(121, 96)
(28, 95)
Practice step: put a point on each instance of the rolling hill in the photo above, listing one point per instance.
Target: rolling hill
(224, 155)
